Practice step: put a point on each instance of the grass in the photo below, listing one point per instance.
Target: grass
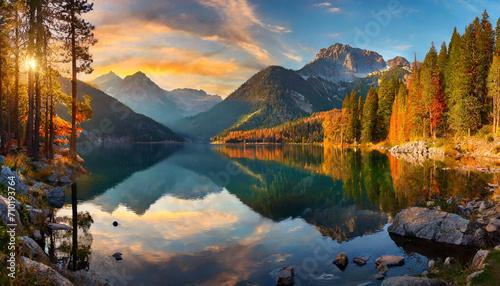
(491, 274)
(456, 273)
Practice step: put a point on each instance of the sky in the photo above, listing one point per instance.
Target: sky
(216, 45)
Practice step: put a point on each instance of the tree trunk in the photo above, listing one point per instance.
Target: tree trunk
(2, 135)
(31, 45)
(16, 82)
(38, 88)
(73, 90)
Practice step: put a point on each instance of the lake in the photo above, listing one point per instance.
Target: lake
(227, 214)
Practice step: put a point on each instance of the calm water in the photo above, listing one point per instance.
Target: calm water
(225, 215)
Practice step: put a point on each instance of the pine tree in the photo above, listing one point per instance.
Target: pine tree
(386, 93)
(78, 37)
(369, 121)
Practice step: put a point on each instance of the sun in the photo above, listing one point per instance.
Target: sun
(31, 63)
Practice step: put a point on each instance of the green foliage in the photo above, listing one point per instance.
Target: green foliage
(369, 119)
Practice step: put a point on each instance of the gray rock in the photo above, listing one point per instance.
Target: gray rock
(69, 172)
(33, 250)
(37, 235)
(285, 276)
(361, 260)
(473, 275)
(412, 281)
(46, 271)
(117, 256)
(65, 180)
(479, 258)
(389, 261)
(4, 213)
(58, 226)
(20, 186)
(52, 178)
(2, 158)
(341, 261)
(56, 198)
(379, 276)
(34, 215)
(40, 166)
(433, 225)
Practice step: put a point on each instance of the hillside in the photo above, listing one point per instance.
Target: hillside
(272, 96)
(111, 118)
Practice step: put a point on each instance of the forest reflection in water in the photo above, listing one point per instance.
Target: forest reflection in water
(189, 211)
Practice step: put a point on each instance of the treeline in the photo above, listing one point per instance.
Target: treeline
(38, 40)
(308, 130)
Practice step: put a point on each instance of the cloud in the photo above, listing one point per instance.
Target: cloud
(333, 10)
(403, 47)
(293, 57)
(325, 4)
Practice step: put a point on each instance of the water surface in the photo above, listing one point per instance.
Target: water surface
(225, 215)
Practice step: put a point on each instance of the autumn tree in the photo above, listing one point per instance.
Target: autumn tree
(77, 37)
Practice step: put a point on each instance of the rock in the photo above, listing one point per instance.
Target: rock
(37, 235)
(115, 223)
(465, 211)
(33, 250)
(40, 166)
(448, 261)
(479, 258)
(433, 225)
(4, 213)
(361, 260)
(491, 228)
(485, 205)
(58, 226)
(497, 247)
(431, 264)
(341, 261)
(379, 276)
(52, 178)
(46, 271)
(251, 283)
(285, 276)
(20, 186)
(56, 198)
(389, 261)
(2, 158)
(69, 172)
(473, 275)
(65, 180)
(413, 281)
(117, 256)
(34, 215)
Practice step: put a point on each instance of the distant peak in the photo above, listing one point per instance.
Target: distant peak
(138, 76)
(334, 51)
(110, 73)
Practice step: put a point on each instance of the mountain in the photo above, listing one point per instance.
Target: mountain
(277, 95)
(144, 96)
(192, 101)
(343, 63)
(272, 96)
(399, 62)
(111, 118)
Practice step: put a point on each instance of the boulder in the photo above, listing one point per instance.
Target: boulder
(472, 276)
(479, 258)
(4, 213)
(56, 198)
(20, 186)
(65, 180)
(285, 276)
(413, 281)
(46, 272)
(58, 226)
(433, 225)
(33, 250)
(40, 166)
(448, 261)
(52, 178)
(431, 264)
(389, 261)
(361, 260)
(341, 261)
(37, 235)
(34, 214)
(2, 158)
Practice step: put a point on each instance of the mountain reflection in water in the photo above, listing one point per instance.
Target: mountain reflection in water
(223, 215)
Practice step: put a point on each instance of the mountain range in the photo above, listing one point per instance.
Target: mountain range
(144, 96)
(271, 97)
(276, 95)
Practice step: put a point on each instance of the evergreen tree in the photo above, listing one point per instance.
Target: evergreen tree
(386, 94)
(369, 121)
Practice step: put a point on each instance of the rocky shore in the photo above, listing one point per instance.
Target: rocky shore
(37, 190)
